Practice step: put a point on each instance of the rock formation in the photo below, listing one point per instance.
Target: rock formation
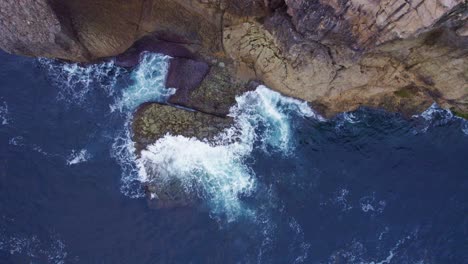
(400, 55)
(337, 54)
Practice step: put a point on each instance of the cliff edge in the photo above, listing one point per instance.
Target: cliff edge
(401, 55)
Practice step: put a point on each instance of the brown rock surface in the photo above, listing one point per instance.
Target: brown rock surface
(215, 95)
(337, 54)
(185, 75)
(337, 77)
(153, 121)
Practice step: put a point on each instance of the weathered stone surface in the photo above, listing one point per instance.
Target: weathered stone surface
(88, 29)
(131, 57)
(337, 54)
(366, 23)
(153, 121)
(338, 78)
(216, 94)
(185, 75)
(31, 27)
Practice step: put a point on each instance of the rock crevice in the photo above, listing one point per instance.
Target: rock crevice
(337, 54)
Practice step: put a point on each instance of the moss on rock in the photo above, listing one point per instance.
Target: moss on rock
(153, 121)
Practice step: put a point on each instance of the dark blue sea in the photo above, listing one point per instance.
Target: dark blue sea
(283, 185)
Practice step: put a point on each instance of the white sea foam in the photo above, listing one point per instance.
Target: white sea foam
(4, 113)
(370, 204)
(77, 157)
(16, 141)
(148, 86)
(436, 116)
(123, 151)
(75, 81)
(217, 170)
(465, 126)
(34, 249)
(341, 199)
(148, 83)
(357, 253)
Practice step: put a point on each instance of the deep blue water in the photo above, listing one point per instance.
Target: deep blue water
(365, 187)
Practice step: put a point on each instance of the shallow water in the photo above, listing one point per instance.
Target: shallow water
(365, 187)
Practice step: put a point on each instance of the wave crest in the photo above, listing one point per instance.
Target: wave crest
(149, 80)
(217, 170)
(77, 81)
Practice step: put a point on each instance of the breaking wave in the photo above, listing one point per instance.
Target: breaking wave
(148, 83)
(77, 81)
(77, 157)
(217, 170)
(123, 151)
(436, 116)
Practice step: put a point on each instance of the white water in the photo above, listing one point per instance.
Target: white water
(77, 157)
(436, 116)
(3, 113)
(123, 151)
(148, 83)
(76, 82)
(32, 248)
(216, 170)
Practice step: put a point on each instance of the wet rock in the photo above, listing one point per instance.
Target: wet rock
(153, 121)
(339, 54)
(185, 75)
(215, 95)
(131, 57)
(339, 78)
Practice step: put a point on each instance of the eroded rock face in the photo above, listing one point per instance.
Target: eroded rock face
(33, 28)
(400, 55)
(88, 29)
(365, 24)
(340, 73)
(337, 54)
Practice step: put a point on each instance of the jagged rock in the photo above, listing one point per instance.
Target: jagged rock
(337, 54)
(365, 24)
(337, 77)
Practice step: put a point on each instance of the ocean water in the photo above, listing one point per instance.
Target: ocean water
(282, 185)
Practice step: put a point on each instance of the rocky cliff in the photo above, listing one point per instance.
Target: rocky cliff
(401, 55)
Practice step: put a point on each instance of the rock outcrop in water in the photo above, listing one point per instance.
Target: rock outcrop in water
(401, 55)
(397, 54)
(153, 121)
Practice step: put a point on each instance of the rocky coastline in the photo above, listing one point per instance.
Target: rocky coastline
(399, 55)
(339, 55)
